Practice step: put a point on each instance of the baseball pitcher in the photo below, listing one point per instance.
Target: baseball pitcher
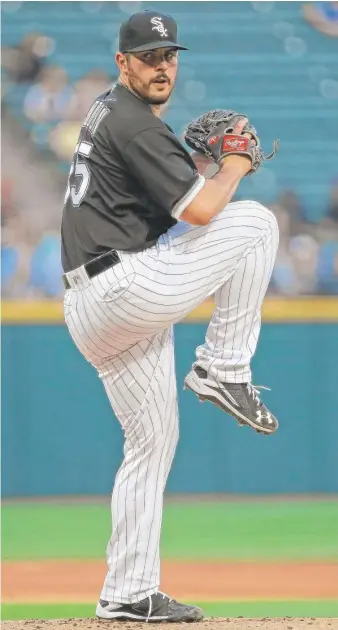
(145, 239)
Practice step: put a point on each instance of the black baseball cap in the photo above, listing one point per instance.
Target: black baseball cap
(148, 30)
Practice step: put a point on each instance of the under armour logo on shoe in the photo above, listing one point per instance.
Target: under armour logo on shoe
(159, 26)
(266, 415)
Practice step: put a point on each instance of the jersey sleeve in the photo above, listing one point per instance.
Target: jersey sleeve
(164, 168)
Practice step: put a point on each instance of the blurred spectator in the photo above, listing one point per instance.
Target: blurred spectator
(304, 255)
(328, 269)
(283, 277)
(17, 246)
(86, 90)
(333, 203)
(24, 62)
(327, 229)
(292, 204)
(49, 99)
(294, 272)
(9, 267)
(284, 220)
(64, 136)
(7, 206)
(45, 267)
(30, 263)
(323, 16)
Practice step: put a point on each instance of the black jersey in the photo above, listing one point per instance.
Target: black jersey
(129, 181)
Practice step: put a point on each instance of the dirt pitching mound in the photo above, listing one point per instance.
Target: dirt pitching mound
(285, 623)
(80, 581)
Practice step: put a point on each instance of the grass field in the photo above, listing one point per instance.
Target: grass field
(250, 530)
(206, 530)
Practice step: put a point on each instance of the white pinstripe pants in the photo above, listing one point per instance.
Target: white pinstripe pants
(121, 320)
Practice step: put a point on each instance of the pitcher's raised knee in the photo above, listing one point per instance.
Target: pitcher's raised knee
(262, 216)
(247, 218)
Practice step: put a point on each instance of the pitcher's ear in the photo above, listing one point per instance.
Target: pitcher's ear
(121, 60)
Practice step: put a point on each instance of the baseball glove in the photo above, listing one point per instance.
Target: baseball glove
(212, 134)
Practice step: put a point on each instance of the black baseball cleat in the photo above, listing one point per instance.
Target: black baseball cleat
(240, 400)
(156, 607)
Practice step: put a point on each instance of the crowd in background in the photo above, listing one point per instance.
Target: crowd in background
(53, 109)
(307, 259)
(53, 106)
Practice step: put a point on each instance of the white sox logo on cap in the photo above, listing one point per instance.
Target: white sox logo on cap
(159, 26)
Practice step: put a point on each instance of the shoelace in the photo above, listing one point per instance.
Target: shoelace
(150, 606)
(164, 595)
(255, 393)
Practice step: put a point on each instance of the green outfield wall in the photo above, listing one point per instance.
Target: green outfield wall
(59, 435)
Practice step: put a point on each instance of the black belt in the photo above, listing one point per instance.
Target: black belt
(96, 266)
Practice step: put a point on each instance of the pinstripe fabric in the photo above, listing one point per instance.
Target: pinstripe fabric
(121, 321)
(141, 387)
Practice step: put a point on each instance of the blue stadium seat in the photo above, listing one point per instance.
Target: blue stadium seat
(327, 271)
(45, 269)
(9, 265)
